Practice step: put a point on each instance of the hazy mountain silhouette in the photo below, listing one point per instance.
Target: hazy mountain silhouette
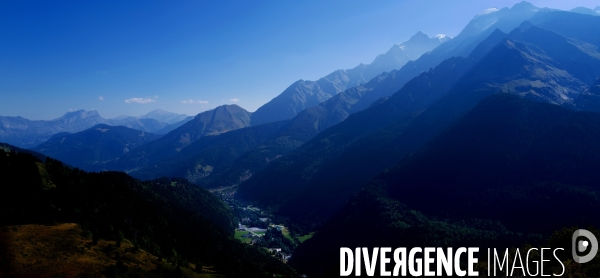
(164, 116)
(210, 155)
(91, 148)
(28, 133)
(584, 10)
(304, 94)
(209, 123)
(24, 133)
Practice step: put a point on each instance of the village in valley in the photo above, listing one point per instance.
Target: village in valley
(258, 228)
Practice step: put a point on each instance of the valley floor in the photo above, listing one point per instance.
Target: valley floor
(254, 223)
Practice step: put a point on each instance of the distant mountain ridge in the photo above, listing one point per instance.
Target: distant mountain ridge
(91, 148)
(304, 94)
(400, 54)
(209, 123)
(164, 116)
(588, 11)
(26, 133)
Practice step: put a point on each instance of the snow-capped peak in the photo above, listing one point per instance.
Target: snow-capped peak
(442, 37)
(488, 11)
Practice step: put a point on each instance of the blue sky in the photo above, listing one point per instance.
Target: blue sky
(131, 57)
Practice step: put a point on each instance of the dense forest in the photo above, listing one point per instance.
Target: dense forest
(171, 218)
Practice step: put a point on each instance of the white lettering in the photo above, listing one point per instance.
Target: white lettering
(536, 263)
(457, 269)
(505, 260)
(370, 263)
(343, 253)
(517, 255)
(427, 261)
(358, 263)
(412, 262)
(400, 261)
(444, 261)
(473, 261)
(563, 266)
(384, 260)
(542, 261)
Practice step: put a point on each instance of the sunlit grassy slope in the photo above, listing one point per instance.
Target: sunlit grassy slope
(63, 251)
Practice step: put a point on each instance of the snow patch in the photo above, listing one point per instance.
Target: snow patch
(490, 10)
(442, 38)
(489, 25)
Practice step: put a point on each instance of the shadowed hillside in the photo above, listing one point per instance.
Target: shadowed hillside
(170, 218)
(531, 62)
(511, 170)
(92, 148)
(65, 250)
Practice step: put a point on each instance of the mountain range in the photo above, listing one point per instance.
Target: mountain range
(588, 11)
(209, 123)
(298, 131)
(308, 123)
(164, 116)
(26, 133)
(304, 94)
(313, 120)
(559, 79)
(530, 62)
(316, 119)
(91, 148)
(488, 139)
(30, 133)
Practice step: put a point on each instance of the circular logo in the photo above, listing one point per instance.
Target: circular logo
(583, 245)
